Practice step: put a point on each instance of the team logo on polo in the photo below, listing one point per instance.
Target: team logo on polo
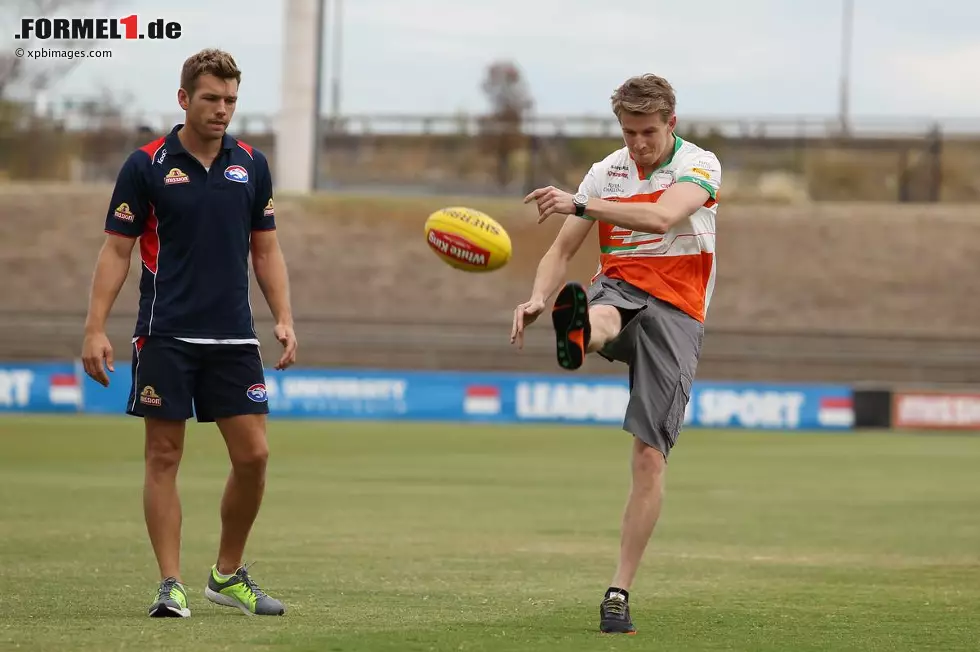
(123, 213)
(269, 210)
(176, 175)
(664, 179)
(150, 397)
(257, 393)
(236, 173)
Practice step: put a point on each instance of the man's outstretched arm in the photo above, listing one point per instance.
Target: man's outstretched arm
(550, 274)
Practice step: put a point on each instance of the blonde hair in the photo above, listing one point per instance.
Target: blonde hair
(645, 94)
(210, 61)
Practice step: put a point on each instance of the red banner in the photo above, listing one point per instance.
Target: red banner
(936, 411)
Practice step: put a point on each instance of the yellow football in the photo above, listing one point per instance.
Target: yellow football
(467, 239)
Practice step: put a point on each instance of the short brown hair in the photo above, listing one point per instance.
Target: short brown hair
(645, 94)
(210, 61)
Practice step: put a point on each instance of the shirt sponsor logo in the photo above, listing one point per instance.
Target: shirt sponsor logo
(176, 175)
(269, 210)
(123, 213)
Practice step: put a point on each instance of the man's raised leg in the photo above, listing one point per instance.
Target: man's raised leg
(579, 328)
(161, 508)
(229, 583)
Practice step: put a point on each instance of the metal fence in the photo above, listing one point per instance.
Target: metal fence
(769, 159)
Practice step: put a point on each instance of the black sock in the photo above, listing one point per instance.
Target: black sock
(613, 589)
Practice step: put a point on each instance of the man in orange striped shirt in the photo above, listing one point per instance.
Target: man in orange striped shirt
(655, 201)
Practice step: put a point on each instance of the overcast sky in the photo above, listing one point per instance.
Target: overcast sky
(724, 57)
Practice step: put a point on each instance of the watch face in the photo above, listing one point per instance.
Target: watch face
(581, 198)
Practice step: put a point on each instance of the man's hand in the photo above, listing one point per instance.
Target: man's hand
(97, 356)
(524, 315)
(284, 333)
(551, 201)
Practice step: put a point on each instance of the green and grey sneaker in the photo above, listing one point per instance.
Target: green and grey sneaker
(171, 601)
(239, 590)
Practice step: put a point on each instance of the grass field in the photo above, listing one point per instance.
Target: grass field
(456, 537)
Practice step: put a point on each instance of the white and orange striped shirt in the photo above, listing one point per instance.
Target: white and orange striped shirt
(679, 266)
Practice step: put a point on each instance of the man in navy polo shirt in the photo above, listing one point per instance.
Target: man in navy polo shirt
(199, 202)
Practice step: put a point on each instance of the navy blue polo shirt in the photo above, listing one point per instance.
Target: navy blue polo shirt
(194, 227)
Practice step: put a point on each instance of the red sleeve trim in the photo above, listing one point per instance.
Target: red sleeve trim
(122, 235)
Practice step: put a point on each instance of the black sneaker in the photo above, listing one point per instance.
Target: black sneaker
(570, 316)
(614, 615)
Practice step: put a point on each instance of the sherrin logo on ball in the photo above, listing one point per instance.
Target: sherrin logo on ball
(468, 239)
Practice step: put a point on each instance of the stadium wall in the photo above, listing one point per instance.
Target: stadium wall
(62, 387)
(501, 397)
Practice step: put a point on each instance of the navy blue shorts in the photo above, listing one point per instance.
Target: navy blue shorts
(173, 379)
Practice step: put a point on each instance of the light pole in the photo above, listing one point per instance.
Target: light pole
(297, 123)
(847, 31)
(317, 118)
(338, 43)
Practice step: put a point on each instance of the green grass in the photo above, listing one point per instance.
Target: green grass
(457, 537)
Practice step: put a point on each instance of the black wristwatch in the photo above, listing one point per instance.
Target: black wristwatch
(580, 200)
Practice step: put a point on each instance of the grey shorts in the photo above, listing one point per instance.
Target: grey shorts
(662, 345)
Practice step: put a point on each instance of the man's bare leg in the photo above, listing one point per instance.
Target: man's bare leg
(648, 466)
(639, 520)
(248, 450)
(229, 584)
(161, 502)
(642, 511)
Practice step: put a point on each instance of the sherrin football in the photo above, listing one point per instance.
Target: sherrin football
(467, 239)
